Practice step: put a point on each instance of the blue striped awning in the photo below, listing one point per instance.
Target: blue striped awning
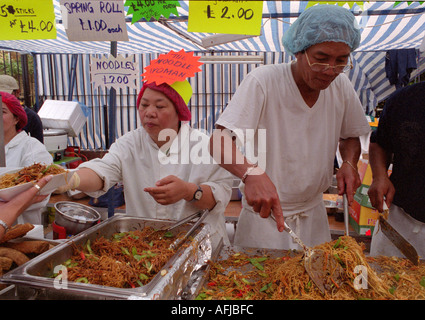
(384, 27)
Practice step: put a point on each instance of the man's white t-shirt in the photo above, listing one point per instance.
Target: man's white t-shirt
(301, 142)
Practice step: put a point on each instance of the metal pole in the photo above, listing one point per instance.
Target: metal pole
(112, 103)
(112, 126)
(2, 144)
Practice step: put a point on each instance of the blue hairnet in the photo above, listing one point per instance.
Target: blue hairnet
(322, 23)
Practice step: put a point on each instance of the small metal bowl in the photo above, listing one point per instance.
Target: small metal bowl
(75, 217)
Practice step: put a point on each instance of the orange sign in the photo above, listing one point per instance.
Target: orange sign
(172, 67)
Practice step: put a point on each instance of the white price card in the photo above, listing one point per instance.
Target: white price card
(101, 20)
(119, 72)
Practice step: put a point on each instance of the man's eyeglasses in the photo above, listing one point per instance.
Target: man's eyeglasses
(322, 67)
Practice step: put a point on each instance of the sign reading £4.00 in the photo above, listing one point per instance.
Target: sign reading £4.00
(232, 17)
(27, 20)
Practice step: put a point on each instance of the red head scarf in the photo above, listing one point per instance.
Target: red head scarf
(15, 107)
(181, 106)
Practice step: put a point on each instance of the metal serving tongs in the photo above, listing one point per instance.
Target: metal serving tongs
(202, 215)
(346, 216)
(318, 265)
(176, 224)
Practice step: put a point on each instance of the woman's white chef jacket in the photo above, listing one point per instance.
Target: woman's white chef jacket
(136, 160)
(299, 151)
(23, 151)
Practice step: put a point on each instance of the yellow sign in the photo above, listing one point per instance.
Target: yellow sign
(231, 17)
(27, 19)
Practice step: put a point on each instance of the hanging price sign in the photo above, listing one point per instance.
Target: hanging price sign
(27, 19)
(94, 20)
(119, 72)
(151, 8)
(231, 17)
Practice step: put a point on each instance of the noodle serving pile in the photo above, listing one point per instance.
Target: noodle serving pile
(284, 278)
(27, 174)
(127, 260)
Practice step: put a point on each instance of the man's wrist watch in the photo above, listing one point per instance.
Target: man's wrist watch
(198, 194)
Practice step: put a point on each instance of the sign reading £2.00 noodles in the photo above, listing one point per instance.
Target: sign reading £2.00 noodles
(100, 20)
(27, 20)
(119, 72)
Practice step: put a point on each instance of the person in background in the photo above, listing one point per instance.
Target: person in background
(34, 125)
(158, 164)
(21, 150)
(399, 139)
(306, 108)
(10, 210)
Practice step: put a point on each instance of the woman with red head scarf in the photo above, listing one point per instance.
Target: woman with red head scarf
(164, 165)
(21, 150)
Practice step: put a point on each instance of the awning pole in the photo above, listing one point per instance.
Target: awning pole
(112, 103)
(112, 126)
(2, 144)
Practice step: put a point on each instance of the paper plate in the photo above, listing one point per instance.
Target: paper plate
(57, 181)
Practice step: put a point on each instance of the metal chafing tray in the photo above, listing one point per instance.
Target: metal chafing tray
(35, 277)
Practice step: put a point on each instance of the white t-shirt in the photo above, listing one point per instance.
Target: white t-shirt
(136, 160)
(299, 151)
(301, 142)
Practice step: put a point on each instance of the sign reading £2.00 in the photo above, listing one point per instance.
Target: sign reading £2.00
(100, 20)
(119, 72)
(27, 20)
(231, 17)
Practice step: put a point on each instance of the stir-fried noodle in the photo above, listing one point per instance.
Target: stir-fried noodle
(27, 174)
(127, 260)
(244, 276)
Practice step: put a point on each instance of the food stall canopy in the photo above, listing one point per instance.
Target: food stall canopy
(385, 26)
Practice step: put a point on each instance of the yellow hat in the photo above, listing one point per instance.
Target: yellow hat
(184, 89)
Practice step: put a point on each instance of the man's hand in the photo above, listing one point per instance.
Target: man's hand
(261, 194)
(348, 180)
(380, 189)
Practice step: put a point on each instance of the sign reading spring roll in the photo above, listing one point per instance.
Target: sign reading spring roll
(231, 17)
(119, 72)
(151, 8)
(100, 20)
(27, 20)
(172, 67)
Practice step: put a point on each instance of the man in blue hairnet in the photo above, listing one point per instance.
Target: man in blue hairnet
(297, 113)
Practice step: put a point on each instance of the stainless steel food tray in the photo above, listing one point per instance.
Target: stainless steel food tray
(36, 275)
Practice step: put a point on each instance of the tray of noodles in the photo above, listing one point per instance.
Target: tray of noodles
(17, 180)
(120, 258)
(254, 274)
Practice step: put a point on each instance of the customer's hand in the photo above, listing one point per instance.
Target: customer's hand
(10, 211)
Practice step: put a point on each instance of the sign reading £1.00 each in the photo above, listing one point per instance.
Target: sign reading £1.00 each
(100, 20)
(231, 17)
(119, 72)
(27, 20)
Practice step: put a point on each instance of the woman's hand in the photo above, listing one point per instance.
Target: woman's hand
(170, 189)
